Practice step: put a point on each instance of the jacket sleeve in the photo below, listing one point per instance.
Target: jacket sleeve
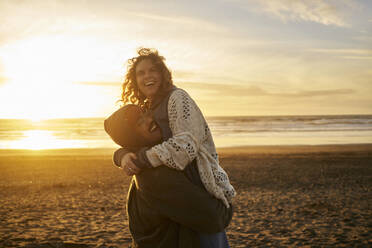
(120, 153)
(188, 128)
(171, 194)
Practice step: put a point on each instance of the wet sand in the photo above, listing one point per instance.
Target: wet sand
(288, 196)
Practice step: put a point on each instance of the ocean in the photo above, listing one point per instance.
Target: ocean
(227, 131)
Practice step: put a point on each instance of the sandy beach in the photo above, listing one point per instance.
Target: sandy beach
(288, 196)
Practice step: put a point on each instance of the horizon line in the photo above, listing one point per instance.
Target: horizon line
(206, 116)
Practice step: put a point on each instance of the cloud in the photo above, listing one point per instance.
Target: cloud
(313, 93)
(182, 20)
(181, 74)
(357, 57)
(345, 51)
(3, 80)
(319, 11)
(253, 90)
(359, 54)
(113, 84)
(363, 38)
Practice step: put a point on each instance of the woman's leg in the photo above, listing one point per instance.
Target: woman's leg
(215, 240)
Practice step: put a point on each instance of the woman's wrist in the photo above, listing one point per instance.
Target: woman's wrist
(153, 158)
(142, 161)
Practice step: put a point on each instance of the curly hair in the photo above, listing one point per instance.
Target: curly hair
(130, 91)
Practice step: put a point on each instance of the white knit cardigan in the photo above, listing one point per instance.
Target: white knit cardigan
(191, 139)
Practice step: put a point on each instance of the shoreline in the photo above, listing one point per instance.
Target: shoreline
(295, 149)
(235, 150)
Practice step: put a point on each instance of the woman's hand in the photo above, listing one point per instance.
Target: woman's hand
(127, 163)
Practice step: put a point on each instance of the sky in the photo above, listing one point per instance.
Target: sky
(67, 58)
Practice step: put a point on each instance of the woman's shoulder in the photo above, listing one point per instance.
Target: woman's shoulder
(181, 103)
(178, 94)
(177, 90)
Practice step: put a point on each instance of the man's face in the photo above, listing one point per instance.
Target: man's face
(147, 129)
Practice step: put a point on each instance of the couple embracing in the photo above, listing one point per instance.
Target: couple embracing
(179, 195)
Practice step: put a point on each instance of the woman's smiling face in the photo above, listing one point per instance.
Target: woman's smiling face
(149, 78)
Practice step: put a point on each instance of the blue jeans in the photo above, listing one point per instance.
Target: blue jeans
(215, 240)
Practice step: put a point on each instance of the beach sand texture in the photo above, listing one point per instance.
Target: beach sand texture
(289, 196)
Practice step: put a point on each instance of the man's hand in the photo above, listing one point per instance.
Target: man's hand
(127, 163)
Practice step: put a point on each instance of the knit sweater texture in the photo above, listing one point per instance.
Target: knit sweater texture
(192, 139)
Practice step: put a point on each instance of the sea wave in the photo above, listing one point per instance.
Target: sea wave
(241, 130)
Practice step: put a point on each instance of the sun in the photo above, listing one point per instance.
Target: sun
(44, 74)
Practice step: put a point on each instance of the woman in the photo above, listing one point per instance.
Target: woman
(187, 145)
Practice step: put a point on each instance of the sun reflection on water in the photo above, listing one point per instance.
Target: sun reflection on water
(41, 139)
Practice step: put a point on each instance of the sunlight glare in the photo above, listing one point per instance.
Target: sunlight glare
(44, 74)
(41, 139)
(54, 60)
